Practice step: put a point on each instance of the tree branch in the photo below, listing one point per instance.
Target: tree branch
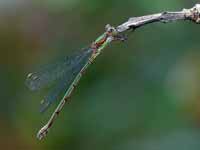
(192, 14)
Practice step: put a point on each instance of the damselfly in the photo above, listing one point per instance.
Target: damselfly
(67, 74)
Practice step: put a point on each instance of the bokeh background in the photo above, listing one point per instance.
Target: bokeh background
(143, 94)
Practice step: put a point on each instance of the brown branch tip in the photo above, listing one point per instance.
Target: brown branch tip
(193, 13)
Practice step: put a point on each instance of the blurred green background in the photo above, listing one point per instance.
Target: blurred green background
(146, 98)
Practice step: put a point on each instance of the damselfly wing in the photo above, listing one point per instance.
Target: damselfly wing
(63, 73)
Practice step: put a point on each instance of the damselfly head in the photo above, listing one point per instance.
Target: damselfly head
(115, 34)
(111, 30)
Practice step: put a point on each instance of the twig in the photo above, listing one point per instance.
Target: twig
(192, 14)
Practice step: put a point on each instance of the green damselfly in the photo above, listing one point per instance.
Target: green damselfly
(67, 74)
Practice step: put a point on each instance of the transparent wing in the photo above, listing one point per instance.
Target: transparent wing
(69, 71)
(53, 94)
(48, 74)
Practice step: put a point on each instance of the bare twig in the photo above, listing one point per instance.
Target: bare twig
(192, 14)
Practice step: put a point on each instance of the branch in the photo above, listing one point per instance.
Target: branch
(192, 14)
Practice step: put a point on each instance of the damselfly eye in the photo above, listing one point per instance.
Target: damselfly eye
(111, 29)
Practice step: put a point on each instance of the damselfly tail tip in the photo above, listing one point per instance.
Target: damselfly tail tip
(43, 132)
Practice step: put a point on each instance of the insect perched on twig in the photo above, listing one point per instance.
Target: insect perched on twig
(68, 72)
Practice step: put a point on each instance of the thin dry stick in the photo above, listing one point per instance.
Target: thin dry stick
(192, 14)
(111, 34)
